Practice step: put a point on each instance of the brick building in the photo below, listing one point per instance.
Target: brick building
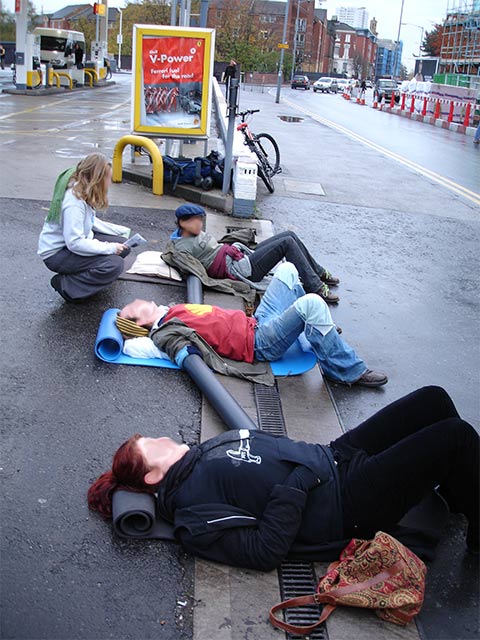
(354, 51)
(67, 17)
(266, 19)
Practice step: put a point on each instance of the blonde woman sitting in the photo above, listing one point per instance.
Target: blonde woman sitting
(85, 253)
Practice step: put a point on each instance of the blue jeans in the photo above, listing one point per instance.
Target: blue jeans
(281, 319)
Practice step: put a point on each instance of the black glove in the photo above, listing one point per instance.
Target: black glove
(125, 252)
(303, 478)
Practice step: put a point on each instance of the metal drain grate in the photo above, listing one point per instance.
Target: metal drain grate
(295, 578)
(298, 579)
(269, 410)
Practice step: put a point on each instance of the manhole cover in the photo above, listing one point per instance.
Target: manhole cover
(291, 118)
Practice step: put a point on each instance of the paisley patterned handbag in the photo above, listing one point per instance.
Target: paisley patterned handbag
(380, 574)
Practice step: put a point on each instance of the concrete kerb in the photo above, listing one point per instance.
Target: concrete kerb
(233, 603)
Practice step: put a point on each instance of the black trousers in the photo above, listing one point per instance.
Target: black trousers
(395, 458)
(289, 246)
(84, 276)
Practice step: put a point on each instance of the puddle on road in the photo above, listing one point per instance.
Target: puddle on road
(291, 118)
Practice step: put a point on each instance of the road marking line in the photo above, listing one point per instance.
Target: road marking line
(446, 182)
(43, 106)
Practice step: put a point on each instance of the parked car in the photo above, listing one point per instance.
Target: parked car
(326, 85)
(301, 81)
(342, 84)
(385, 88)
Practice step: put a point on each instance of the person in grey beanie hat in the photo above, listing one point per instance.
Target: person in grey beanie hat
(230, 261)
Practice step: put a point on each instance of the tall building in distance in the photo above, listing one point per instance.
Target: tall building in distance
(389, 58)
(356, 17)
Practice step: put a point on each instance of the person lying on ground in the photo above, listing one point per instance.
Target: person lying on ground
(251, 499)
(86, 253)
(284, 312)
(229, 261)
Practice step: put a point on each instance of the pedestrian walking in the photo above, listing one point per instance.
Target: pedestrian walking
(476, 137)
(363, 88)
(228, 75)
(85, 253)
(78, 52)
(2, 56)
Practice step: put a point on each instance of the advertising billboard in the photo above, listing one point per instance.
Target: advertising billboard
(172, 80)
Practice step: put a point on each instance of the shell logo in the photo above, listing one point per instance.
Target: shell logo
(199, 309)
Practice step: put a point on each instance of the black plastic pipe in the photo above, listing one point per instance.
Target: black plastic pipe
(194, 290)
(221, 400)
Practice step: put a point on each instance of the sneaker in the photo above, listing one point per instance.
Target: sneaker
(325, 293)
(55, 282)
(372, 379)
(327, 278)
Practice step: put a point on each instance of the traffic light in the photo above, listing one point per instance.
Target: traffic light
(99, 9)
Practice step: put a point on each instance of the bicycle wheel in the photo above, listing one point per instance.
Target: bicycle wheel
(270, 150)
(263, 172)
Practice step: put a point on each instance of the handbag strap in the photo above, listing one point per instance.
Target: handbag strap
(329, 599)
(314, 598)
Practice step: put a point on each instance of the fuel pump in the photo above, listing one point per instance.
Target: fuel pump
(98, 54)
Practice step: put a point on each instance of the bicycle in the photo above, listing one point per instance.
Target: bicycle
(264, 147)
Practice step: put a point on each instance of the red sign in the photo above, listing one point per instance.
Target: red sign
(18, 6)
(172, 60)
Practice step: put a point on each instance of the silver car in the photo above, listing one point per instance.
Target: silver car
(325, 85)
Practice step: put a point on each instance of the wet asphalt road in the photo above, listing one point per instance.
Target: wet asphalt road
(64, 412)
(406, 250)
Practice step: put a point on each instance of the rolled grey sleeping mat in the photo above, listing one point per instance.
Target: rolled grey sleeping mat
(194, 290)
(134, 516)
(221, 400)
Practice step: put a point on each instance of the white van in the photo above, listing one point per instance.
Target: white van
(57, 45)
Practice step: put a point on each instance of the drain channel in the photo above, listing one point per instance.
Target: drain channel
(298, 579)
(295, 578)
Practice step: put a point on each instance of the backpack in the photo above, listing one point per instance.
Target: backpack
(201, 172)
(380, 574)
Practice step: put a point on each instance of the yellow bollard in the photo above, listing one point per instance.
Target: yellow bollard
(64, 74)
(56, 77)
(92, 75)
(151, 147)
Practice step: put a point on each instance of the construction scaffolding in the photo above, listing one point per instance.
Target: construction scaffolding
(460, 51)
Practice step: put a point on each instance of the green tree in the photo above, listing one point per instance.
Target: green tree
(432, 42)
(239, 35)
(87, 26)
(8, 26)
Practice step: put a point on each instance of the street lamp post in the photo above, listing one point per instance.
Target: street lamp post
(282, 52)
(294, 61)
(410, 24)
(119, 40)
(397, 44)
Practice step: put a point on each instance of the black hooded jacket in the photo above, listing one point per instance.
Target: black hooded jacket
(250, 499)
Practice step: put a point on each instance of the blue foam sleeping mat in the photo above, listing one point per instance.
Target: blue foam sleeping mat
(109, 345)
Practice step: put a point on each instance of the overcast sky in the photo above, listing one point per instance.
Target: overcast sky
(424, 13)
